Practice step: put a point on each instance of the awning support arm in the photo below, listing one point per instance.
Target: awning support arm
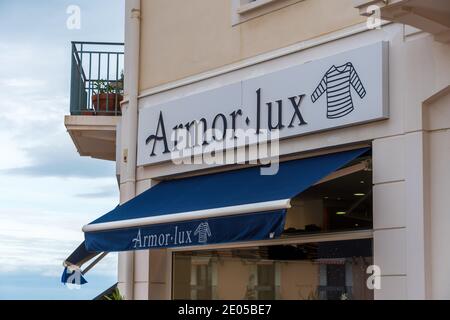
(363, 165)
(97, 260)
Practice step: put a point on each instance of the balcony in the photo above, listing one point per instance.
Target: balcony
(96, 78)
(96, 91)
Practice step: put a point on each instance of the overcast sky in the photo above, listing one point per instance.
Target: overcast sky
(47, 191)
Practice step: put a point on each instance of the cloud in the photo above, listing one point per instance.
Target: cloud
(34, 91)
(41, 221)
(39, 242)
(34, 133)
(23, 83)
(48, 191)
(107, 193)
(62, 161)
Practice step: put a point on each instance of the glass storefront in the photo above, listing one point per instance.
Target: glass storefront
(316, 270)
(313, 271)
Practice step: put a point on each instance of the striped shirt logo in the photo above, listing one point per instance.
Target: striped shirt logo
(336, 83)
(203, 232)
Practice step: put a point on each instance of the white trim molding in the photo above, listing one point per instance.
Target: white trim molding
(191, 215)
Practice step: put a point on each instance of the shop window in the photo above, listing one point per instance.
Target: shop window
(335, 282)
(201, 282)
(266, 281)
(261, 284)
(327, 270)
(194, 277)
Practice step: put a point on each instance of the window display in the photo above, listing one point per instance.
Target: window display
(333, 270)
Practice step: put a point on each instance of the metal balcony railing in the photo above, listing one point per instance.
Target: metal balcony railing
(97, 78)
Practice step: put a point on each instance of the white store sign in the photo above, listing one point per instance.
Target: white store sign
(342, 90)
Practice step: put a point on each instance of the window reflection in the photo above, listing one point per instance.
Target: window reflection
(314, 271)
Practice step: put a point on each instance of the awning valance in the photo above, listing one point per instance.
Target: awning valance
(232, 206)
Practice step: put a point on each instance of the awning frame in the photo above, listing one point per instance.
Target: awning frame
(192, 215)
(88, 256)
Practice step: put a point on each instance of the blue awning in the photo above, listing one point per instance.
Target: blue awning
(232, 206)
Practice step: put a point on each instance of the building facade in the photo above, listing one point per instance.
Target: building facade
(368, 77)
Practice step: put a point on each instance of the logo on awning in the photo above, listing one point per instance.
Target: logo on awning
(178, 236)
(203, 232)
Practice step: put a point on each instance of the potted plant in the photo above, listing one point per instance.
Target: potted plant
(106, 96)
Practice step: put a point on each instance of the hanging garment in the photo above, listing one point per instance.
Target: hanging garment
(336, 83)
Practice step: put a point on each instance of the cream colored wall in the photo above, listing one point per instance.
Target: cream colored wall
(440, 214)
(410, 225)
(437, 121)
(182, 38)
